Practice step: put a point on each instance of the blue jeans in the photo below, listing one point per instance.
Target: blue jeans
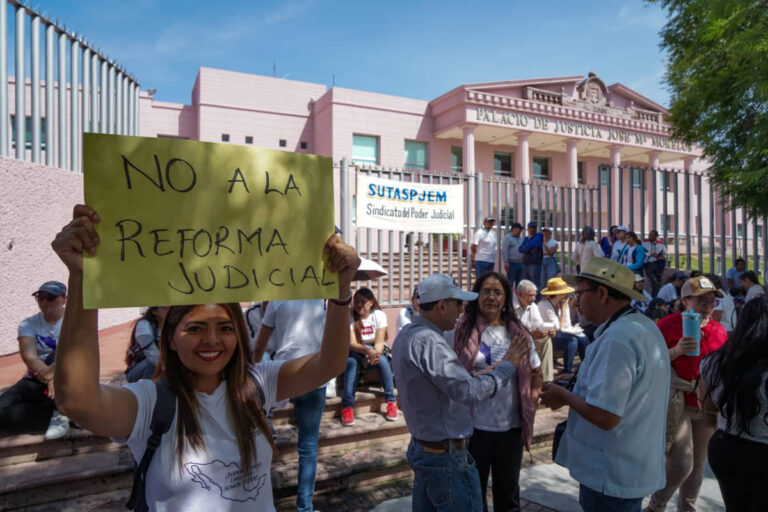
(481, 267)
(533, 273)
(515, 272)
(309, 413)
(570, 344)
(593, 501)
(446, 482)
(144, 369)
(549, 269)
(355, 362)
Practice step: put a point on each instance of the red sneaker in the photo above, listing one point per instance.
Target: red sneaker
(347, 416)
(391, 411)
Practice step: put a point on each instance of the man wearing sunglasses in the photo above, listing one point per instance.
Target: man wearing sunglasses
(688, 427)
(30, 401)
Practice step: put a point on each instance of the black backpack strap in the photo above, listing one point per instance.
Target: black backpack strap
(162, 417)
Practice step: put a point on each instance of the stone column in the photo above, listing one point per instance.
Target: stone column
(469, 149)
(616, 201)
(573, 164)
(523, 173)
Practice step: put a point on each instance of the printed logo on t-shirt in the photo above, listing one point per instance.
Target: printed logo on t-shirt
(367, 330)
(227, 479)
(46, 341)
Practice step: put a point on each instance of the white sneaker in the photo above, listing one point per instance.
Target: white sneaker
(58, 427)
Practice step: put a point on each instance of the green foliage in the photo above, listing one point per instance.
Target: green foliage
(718, 79)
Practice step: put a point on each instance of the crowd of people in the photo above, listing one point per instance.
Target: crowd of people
(650, 401)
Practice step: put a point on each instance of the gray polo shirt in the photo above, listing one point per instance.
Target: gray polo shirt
(434, 390)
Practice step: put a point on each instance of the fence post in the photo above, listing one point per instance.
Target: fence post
(3, 77)
(479, 198)
(21, 85)
(345, 199)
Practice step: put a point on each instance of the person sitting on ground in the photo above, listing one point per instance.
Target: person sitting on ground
(436, 393)
(641, 305)
(143, 353)
(733, 273)
(295, 329)
(549, 265)
(657, 309)
(606, 243)
(734, 384)
(751, 283)
(367, 346)
(555, 311)
(586, 248)
(526, 310)
(219, 426)
(619, 244)
(613, 444)
(406, 315)
(633, 254)
(503, 424)
(31, 401)
(669, 292)
(513, 259)
(688, 427)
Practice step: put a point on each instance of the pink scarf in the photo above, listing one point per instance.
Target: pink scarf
(466, 344)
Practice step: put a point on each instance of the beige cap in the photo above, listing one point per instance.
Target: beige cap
(699, 286)
(611, 274)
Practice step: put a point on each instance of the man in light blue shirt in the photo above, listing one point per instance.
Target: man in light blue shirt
(435, 394)
(513, 259)
(615, 438)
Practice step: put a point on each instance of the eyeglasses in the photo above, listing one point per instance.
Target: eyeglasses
(44, 296)
(487, 292)
(578, 293)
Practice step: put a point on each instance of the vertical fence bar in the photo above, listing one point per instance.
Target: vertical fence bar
(609, 196)
(126, 105)
(755, 252)
(632, 171)
(712, 206)
(131, 105)
(621, 195)
(734, 233)
(50, 118)
(62, 117)
(500, 228)
(570, 192)
(137, 114)
(664, 202)
(94, 125)
(592, 208)
(676, 203)
(765, 245)
(687, 217)
(744, 238)
(34, 74)
(599, 203)
(21, 85)
(653, 217)
(576, 203)
(85, 98)
(390, 234)
(104, 96)
(111, 99)
(74, 90)
(723, 239)
(4, 78)
(118, 102)
(699, 223)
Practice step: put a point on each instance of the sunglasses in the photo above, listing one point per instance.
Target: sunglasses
(44, 296)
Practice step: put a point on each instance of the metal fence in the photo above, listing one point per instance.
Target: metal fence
(83, 90)
(684, 207)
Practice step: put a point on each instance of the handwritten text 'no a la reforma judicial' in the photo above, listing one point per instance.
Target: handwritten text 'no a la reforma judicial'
(185, 222)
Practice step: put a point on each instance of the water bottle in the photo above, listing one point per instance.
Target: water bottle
(692, 329)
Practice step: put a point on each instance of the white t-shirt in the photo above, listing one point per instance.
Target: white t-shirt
(754, 291)
(725, 304)
(529, 316)
(377, 319)
(210, 479)
(667, 293)
(486, 244)
(297, 327)
(45, 335)
(404, 317)
(502, 412)
(618, 246)
(585, 252)
(549, 316)
(549, 245)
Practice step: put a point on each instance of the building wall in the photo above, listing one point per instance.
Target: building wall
(36, 202)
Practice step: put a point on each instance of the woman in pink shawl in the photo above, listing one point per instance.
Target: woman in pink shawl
(503, 424)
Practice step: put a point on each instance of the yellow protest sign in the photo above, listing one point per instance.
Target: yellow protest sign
(185, 222)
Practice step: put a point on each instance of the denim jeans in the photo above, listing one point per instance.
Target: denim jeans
(515, 272)
(481, 267)
(445, 482)
(593, 501)
(549, 269)
(354, 363)
(309, 413)
(142, 370)
(533, 273)
(570, 344)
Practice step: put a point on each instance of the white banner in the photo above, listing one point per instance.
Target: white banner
(405, 206)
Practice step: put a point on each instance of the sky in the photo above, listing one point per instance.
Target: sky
(415, 49)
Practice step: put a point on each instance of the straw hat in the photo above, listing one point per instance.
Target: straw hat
(556, 286)
(611, 274)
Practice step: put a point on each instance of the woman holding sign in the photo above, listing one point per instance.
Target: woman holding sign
(216, 454)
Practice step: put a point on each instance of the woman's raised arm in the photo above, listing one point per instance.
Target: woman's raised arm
(104, 410)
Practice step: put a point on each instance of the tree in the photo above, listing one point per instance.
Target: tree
(718, 79)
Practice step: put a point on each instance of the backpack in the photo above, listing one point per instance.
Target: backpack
(162, 417)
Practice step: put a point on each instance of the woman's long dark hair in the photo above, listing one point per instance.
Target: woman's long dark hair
(368, 294)
(149, 316)
(507, 311)
(245, 404)
(738, 368)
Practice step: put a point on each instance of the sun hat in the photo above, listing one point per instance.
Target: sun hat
(546, 228)
(55, 288)
(611, 274)
(556, 286)
(438, 287)
(699, 286)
